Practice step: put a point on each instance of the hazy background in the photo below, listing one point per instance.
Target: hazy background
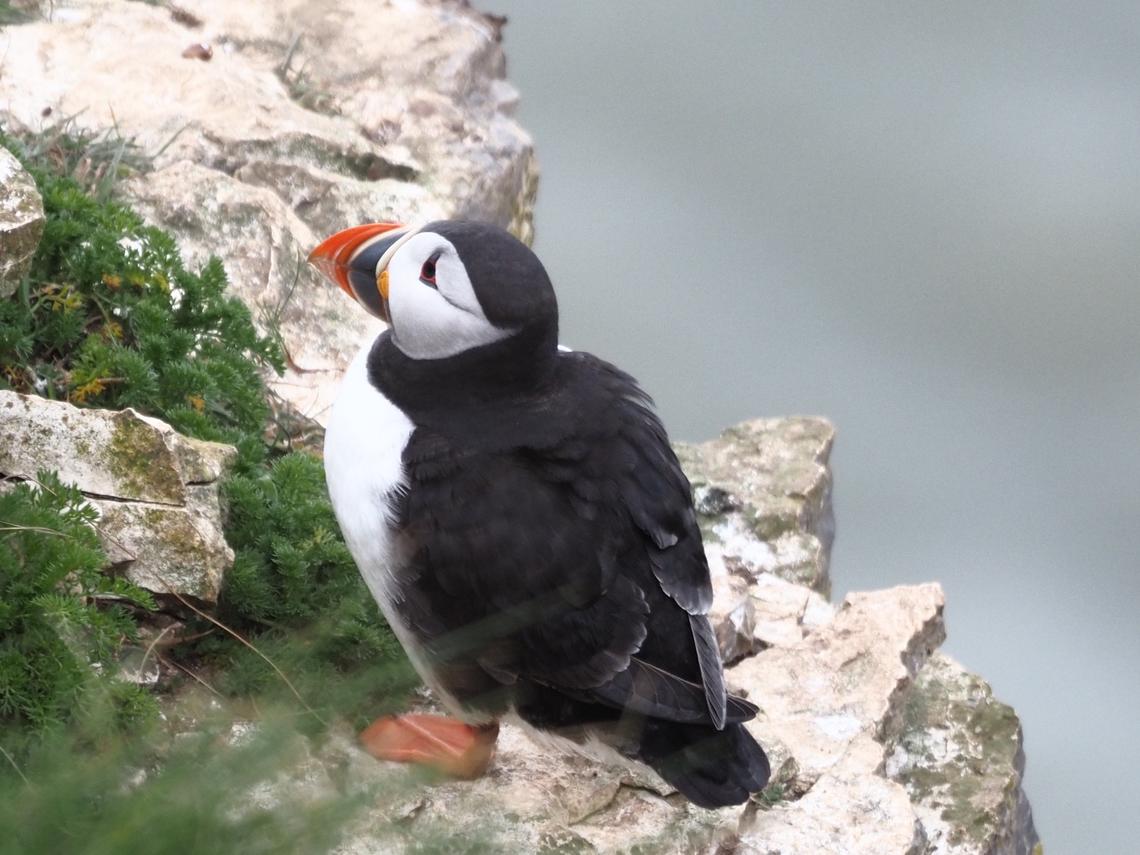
(925, 225)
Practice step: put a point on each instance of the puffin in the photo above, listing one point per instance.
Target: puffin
(517, 512)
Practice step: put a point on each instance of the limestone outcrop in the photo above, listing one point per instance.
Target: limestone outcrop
(156, 490)
(879, 743)
(764, 505)
(272, 124)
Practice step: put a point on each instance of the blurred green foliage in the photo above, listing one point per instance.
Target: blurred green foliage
(294, 585)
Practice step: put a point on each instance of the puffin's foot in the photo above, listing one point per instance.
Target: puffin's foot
(452, 747)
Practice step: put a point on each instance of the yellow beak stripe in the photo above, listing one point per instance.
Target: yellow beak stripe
(382, 283)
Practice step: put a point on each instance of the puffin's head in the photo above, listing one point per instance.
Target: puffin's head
(445, 288)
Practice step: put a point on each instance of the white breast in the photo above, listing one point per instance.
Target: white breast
(364, 446)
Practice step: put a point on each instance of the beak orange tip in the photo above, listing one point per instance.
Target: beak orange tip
(332, 255)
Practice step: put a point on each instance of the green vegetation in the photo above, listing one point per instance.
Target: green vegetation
(10, 14)
(109, 316)
(58, 612)
(193, 798)
(295, 585)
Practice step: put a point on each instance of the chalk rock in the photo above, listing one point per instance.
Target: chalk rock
(763, 497)
(306, 118)
(850, 809)
(848, 678)
(21, 222)
(156, 491)
(750, 614)
(733, 616)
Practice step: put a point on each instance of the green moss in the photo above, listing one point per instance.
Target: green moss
(770, 526)
(772, 795)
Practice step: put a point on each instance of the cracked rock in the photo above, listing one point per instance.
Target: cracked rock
(959, 756)
(848, 678)
(864, 814)
(156, 490)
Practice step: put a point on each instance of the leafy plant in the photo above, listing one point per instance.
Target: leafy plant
(196, 799)
(294, 583)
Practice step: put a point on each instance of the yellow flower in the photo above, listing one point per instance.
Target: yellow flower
(197, 402)
(111, 281)
(92, 387)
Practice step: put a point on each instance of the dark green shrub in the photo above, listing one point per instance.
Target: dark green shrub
(59, 614)
(295, 583)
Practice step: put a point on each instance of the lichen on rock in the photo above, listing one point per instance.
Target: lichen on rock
(155, 489)
(959, 756)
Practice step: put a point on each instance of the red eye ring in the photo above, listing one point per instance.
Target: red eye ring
(427, 272)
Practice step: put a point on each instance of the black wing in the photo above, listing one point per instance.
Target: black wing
(558, 544)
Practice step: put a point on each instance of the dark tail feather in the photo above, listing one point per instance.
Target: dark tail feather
(711, 768)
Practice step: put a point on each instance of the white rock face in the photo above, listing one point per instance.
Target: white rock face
(21, 222)
(307, 118)
(954, 754)
(156, 491)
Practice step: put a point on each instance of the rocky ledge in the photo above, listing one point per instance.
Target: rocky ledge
(879, 743)
(21, 222)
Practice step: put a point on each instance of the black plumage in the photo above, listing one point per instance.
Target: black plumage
(550, 558)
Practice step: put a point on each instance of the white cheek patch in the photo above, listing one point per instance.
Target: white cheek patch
(434, 324)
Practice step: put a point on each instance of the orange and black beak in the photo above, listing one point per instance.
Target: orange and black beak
(351, 258)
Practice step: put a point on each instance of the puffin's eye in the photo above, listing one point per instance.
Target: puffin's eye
(427, 272)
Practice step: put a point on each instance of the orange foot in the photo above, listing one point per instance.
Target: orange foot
(450, 746)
